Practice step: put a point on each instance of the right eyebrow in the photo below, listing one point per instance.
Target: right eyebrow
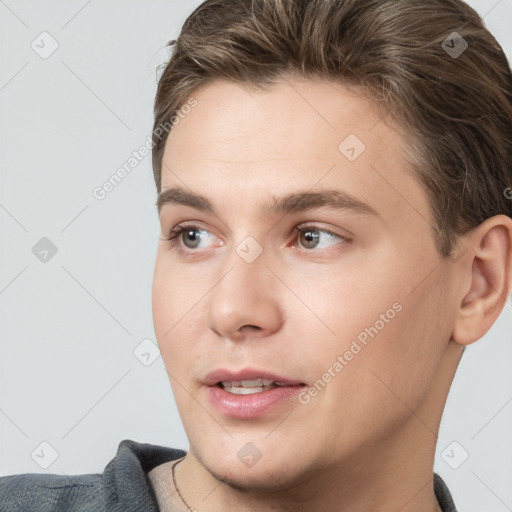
(178, 195)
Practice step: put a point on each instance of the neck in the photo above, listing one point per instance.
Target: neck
(395, 475)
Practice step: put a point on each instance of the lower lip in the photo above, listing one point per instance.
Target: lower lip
(253, 405)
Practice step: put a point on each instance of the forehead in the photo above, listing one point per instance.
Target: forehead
(235, 120)
(241, 143)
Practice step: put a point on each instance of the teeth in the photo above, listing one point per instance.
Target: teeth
(257, 382)
(246, 391)
(248, 383)
(249, 387)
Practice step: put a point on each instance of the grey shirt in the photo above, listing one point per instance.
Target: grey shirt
(124, 485)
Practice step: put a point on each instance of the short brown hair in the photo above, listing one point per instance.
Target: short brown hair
(456, 107)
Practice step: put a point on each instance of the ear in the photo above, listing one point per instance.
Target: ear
(488, 267)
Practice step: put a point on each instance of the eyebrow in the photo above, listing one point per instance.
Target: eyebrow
(291, 203)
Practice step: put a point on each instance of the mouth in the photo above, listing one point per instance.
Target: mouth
(250, 393)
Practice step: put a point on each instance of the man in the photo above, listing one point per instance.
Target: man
(336, 228)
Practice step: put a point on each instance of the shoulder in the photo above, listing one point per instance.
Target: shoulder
(122, 486)
(443, 495)
(44, 493)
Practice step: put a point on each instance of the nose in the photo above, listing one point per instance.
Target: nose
(245, 301)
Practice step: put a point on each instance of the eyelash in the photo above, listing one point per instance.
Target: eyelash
(174, 236)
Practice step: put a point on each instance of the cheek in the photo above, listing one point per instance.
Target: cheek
(391, 340)
(397, 366)
(174, 292)
(176, 315)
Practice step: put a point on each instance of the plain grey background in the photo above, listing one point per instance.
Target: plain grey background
(72, 386)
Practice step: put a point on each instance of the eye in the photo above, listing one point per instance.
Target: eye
(309, 237)
(314, 237)
(190, 236)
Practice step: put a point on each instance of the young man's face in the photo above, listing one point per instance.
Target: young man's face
(355, 310)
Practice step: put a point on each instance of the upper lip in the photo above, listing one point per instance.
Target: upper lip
(221, 374)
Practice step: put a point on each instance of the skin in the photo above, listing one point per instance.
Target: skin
(367, 440)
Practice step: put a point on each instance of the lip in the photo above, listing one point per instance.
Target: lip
(253, 405)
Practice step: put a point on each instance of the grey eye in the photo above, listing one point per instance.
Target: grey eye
(309, 238)
(191, 238)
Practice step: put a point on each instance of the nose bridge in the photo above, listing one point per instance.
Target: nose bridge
(244, 294)
(246, 263)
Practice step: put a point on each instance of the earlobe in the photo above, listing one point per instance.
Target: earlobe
(490, 279)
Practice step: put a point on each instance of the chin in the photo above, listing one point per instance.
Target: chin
(262, 478)
(273, 472)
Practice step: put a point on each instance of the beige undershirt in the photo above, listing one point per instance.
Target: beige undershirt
(166, 495)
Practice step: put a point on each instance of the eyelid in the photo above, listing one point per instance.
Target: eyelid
(343, 240)
(316, 226)
(175, 233)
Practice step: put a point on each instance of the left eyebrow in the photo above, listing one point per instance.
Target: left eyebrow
(291, 203)
(331, 199)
